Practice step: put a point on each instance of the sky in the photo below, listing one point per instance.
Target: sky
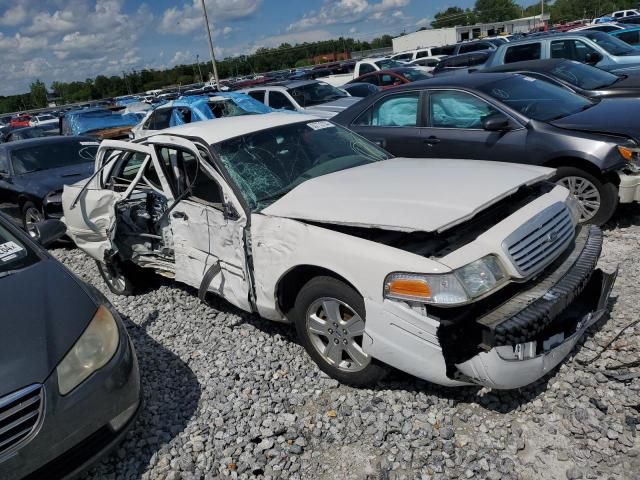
(69, 40)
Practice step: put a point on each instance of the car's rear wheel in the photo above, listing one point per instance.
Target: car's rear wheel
(330, 321)
(31, 215)
(121, 278)
(598, 199)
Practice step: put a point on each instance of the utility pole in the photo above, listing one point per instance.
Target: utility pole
(199, 71)
(213, 56)
(124, 75)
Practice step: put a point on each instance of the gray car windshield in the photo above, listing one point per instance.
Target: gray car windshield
(267, 164)
(584, 76)
(315, 94)
(536, 99)
(14, 254)
(613, 45)
(46, 156)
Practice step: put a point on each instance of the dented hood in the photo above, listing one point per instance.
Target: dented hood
(406, 194)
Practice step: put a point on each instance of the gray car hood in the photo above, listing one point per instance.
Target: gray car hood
(406, 194)
(44, 312)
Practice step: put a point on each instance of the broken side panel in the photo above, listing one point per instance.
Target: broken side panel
(89, 214)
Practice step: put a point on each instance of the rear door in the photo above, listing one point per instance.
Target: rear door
(454, 129)
(89, 206)
(393, 123)
(207, 222)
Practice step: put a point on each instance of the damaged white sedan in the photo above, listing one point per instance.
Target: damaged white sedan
(456, 272)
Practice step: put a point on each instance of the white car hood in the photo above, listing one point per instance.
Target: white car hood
(406, 194)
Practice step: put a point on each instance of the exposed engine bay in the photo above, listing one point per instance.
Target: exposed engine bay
(143, 234)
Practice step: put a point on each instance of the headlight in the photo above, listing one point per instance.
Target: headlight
(92, 351)
(455, 288)
(631, 153)
(573, 204)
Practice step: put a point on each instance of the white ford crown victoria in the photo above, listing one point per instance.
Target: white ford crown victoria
(457, 272)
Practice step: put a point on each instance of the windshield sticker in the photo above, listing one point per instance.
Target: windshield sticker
(89, 144)
(9, 250)
(320, 125)
(529, 79)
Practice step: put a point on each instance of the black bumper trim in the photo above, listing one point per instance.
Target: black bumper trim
(529, 313)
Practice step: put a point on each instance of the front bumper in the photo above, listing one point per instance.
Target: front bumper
(85, 424)
(629, 189)
(531, 333)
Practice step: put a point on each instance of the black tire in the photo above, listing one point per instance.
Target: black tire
(607, 191)
(28, 212)
(328, 288)
(121, 278)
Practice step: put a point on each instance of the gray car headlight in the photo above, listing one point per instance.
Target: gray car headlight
(461, 286)
(92, 351)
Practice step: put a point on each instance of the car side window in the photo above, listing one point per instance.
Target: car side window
(570, 49)
(473, 47)
(520, 53)
(366, 68)
(387, 80)
(160, 119)
(372, 79)
(257, 95)
(422, 54)
(126, 169)
(399, 110)
(203, 187)
(279, 100)
(4, 162)
(631, 37)
(453, 109)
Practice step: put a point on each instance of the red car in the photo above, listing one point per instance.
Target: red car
(392, 77)
(20, 121)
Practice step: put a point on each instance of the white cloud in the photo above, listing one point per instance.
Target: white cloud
(423, 22)
(335, 12)
(14, 16)
(189, 17)
(58, 22)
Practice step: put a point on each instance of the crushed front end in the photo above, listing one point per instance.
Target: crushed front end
(518, 335)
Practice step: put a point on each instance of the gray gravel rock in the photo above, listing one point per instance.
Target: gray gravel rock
(229, 395)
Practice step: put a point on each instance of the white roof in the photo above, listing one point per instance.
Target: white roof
(221, 129)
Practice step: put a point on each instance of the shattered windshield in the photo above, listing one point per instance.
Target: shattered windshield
(14, 254)
(269, 163)
(46, 156)
(315, 94)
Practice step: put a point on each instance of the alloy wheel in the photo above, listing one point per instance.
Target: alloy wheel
(32, 216)
(113, 275)
(336, 332)
(586, 193)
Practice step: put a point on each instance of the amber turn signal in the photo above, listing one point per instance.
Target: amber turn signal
(409, 288)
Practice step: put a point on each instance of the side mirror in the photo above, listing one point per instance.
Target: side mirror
(496, 123)
(48, 231)
(592, 58)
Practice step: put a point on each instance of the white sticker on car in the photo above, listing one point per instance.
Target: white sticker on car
(528, 79)
(320, 125)
(90, 144)
(9, 250)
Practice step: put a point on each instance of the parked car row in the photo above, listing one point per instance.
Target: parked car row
(445, 226)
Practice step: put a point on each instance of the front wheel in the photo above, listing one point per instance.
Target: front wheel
(598, 199)
(119, 278)
(330, 321)
(31, 215)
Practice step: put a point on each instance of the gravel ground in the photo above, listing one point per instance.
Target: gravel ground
(228, 394)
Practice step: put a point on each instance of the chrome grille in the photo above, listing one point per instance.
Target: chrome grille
(539, 241)
(20, 415)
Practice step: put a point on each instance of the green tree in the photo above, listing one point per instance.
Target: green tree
(38, 94)
(453, 16)
(496, 10)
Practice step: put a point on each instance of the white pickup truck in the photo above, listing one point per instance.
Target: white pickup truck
(458, 272)
(367, 65)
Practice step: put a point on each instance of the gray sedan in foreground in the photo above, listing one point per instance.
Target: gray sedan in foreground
(69, 380)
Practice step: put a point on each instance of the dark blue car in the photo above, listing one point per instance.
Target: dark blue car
(69, 379)
(33, 173)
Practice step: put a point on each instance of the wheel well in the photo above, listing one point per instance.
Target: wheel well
(585, 165)
(292, 282)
